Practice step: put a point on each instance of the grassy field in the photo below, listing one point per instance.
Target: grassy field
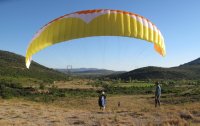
(137, 110)
(133, 84)
(74, 102)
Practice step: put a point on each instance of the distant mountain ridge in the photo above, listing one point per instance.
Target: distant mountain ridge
(13, 65)
(79, 69)
(188, 71)
(89, 71)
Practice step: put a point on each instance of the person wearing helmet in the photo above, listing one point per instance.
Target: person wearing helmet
(102, 101)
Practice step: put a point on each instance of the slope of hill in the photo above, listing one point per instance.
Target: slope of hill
(194, 62)
(13, 65)
(188, 71)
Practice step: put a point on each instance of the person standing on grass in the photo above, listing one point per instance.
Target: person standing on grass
(102, 101)
(157, 94)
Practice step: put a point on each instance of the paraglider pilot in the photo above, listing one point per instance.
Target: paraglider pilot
(102, 101)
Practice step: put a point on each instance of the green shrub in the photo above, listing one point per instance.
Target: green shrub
(7, 92)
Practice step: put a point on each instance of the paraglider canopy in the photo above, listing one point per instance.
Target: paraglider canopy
(101, 22)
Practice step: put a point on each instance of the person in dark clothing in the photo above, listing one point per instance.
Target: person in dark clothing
(157, 94)
(102, 100)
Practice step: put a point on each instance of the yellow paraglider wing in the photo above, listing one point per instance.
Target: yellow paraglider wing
(95, 23)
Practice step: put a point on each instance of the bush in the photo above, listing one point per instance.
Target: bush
(7, 92)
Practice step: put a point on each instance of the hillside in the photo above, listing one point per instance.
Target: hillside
(13, 66)
(194, 62)
(188, 71)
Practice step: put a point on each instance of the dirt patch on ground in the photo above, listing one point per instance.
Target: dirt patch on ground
(133, 111)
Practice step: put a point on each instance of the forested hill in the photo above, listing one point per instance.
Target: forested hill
(13, 65)
(188, 71)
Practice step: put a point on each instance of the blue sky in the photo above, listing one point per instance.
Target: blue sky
(178, 20)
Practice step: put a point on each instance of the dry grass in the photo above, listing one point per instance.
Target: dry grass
(133, 111)
(75, 84)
